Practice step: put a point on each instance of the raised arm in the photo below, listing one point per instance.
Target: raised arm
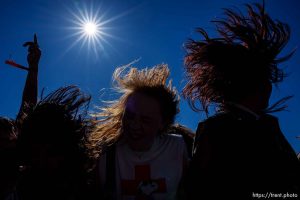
(30, 91)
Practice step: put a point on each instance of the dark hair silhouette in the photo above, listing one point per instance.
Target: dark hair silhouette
(235, 65)
(50, 145)
(57, 119)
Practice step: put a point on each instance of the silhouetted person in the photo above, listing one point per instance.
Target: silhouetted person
(138, 158)
(240, 151)
(9, 127)
(50, 147)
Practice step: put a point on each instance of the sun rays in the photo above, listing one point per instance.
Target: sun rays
(89, 29)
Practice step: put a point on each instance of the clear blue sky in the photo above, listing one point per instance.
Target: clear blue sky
(153, 30)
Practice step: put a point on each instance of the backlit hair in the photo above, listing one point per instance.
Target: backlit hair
(236, 64)
(128, 80)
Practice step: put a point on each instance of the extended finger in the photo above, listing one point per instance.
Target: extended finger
(35, 40)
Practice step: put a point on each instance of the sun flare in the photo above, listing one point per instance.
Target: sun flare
(90, 28)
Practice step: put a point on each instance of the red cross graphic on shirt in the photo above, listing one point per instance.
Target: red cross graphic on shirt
(142, 177)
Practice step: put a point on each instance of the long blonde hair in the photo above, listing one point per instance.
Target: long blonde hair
(128, 80)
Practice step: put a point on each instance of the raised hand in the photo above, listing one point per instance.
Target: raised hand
(34, 53)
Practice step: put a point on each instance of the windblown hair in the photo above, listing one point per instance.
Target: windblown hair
(237, 63)
(58, 119)
(127, 81)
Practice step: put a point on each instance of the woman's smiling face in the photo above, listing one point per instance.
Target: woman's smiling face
(142, 121)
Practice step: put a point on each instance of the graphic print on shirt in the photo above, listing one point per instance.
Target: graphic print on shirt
(143, 186)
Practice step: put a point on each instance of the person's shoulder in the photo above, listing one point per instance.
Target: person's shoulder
(216, 121)
(268, 117)
(217, 127)
(173, 143)
(219, 117)
(172, 137)
(171, 140)
(182, 135)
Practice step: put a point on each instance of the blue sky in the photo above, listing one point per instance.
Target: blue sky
(152, 30)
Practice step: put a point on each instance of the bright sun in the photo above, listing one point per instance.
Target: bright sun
(90, 29)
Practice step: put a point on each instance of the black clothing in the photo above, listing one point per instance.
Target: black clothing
(237, 156)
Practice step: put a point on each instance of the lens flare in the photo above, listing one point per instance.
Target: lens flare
(90, 29)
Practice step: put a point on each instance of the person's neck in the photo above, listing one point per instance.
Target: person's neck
(231, 105)
(255, 107)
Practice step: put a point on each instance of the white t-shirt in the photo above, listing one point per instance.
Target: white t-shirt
(155, 174)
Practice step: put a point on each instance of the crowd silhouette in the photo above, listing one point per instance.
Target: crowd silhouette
(132, 148)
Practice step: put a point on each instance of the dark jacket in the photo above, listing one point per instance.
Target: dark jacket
(237, 156)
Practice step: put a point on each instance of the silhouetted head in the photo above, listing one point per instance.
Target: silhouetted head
(51, 133)
(147, 107)
(240, 66)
